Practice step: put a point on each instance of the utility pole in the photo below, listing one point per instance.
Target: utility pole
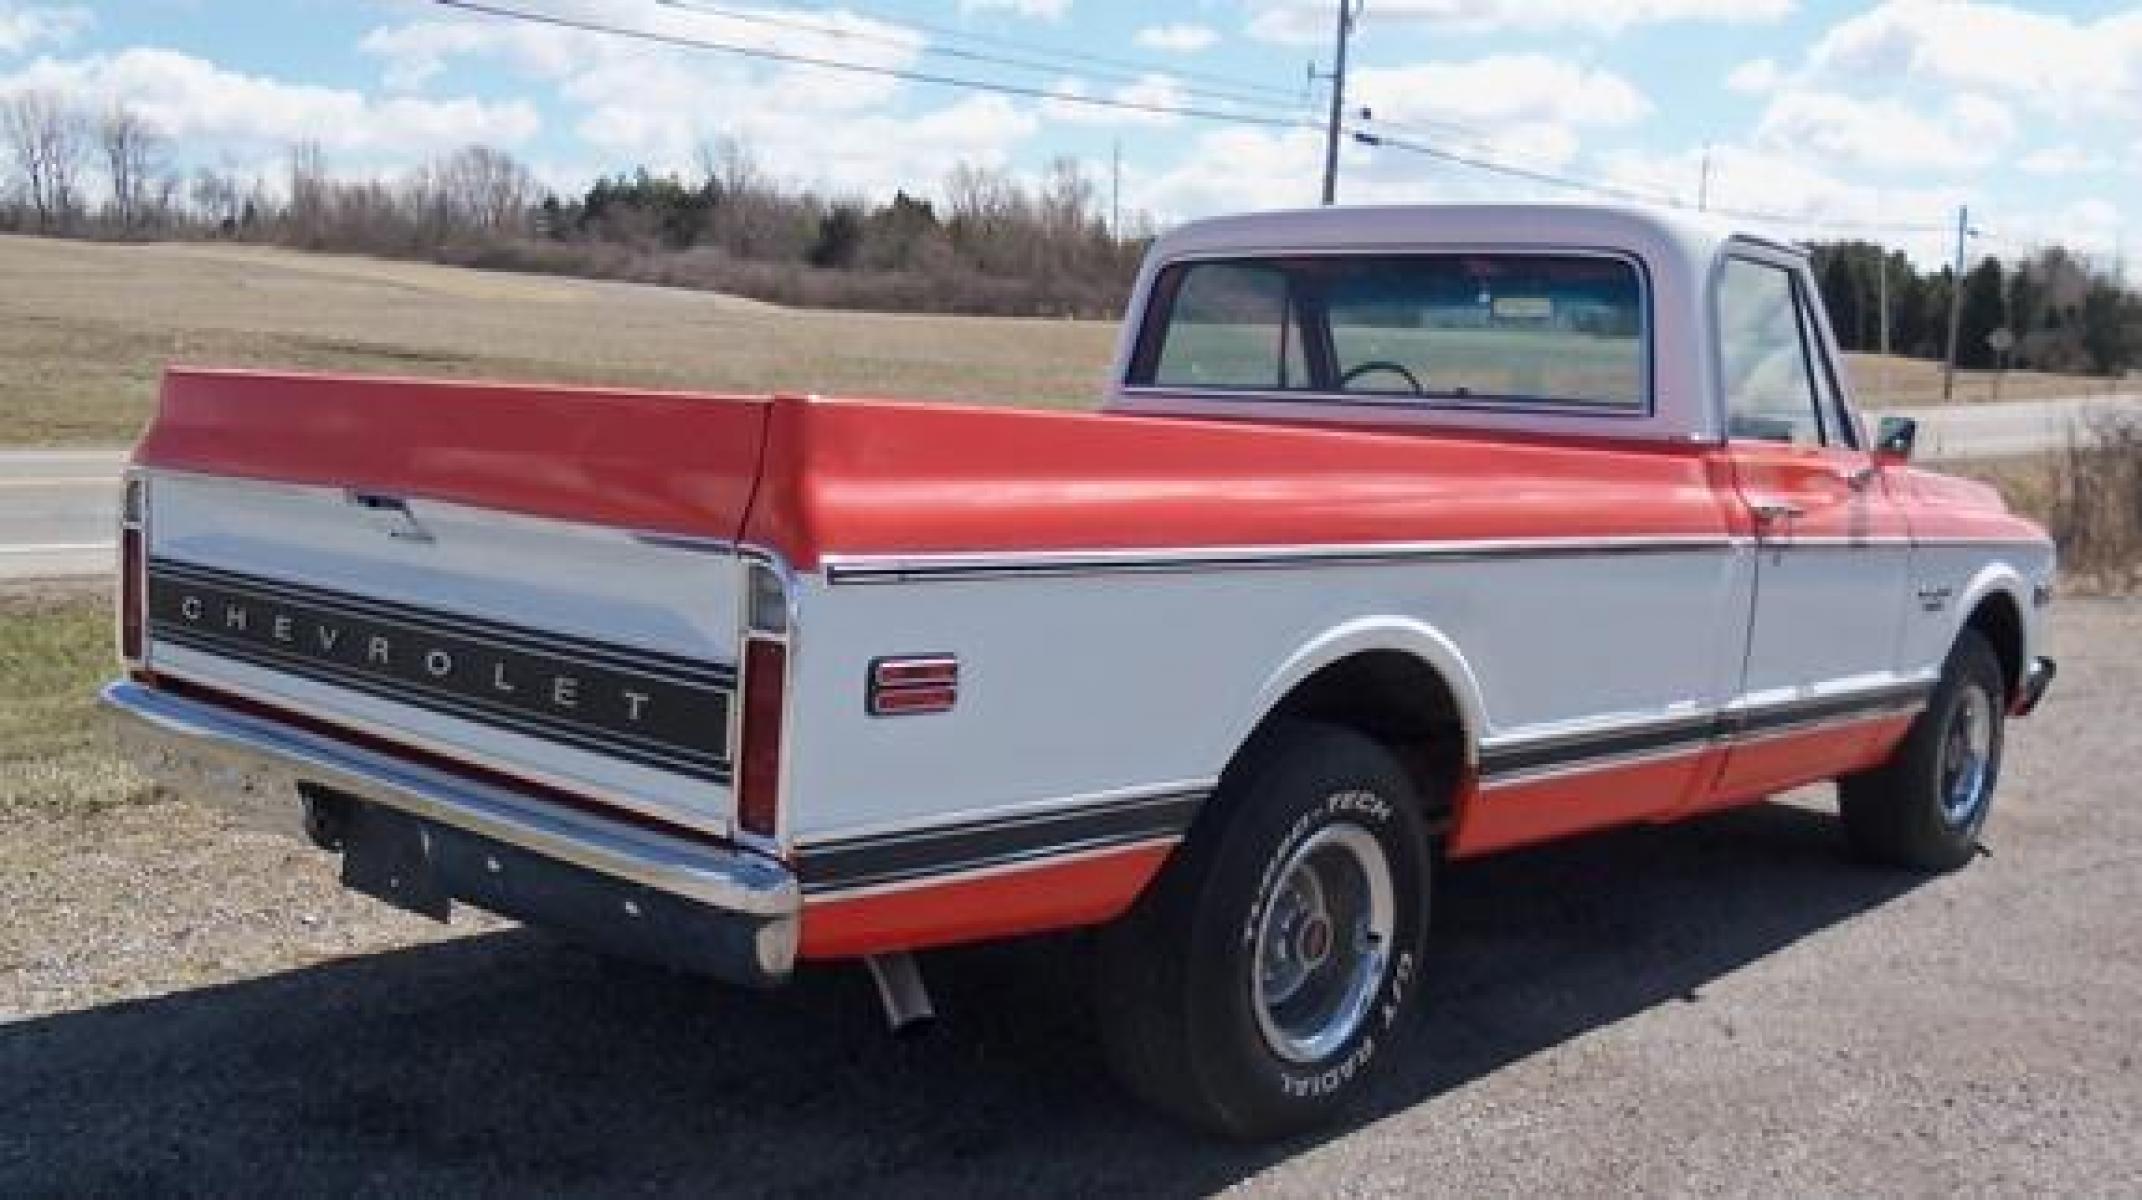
(1703, 182)
(1349, 12)
(1956, 286)
(1884, 252)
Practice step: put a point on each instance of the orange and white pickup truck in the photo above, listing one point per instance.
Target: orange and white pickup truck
(1405, 535)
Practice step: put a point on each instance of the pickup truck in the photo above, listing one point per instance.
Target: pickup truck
(1405, 535)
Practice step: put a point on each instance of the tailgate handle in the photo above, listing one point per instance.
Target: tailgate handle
(391, 516)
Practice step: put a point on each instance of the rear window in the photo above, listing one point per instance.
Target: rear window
(1518, 329)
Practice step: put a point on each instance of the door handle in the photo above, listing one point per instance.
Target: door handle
(1770, 512)
(1858, 479)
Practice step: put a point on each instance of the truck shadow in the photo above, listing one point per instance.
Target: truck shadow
(511, 1063)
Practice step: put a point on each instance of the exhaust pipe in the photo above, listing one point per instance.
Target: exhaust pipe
(900, 988)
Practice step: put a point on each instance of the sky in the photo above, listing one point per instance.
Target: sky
(1816, 119)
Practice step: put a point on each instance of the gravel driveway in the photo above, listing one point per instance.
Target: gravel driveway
(1726, 1006)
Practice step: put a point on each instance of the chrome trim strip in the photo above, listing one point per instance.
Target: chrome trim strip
(1873, 712)
(1562, 752)
(1588, 766)
(173, 732)
(920, 568)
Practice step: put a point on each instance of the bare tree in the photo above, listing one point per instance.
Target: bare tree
(309, 193)
(216, 198)
(133, 158)
(486, 189)
(44, 134)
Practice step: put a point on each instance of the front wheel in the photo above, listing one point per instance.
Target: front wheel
(1926, 807)
(1255, 985)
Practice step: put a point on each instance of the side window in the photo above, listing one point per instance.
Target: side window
(1836, 421)
(1769, 388)
(1232, 326)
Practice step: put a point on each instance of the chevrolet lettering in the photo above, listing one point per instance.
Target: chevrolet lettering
(1404, 536)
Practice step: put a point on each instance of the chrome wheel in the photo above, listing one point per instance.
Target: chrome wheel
(1324, 944)
(1966, 757)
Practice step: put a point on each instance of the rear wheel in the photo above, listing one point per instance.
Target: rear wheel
(1926, 807)
(1263, 975)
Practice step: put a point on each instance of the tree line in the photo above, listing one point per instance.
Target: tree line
(987, 243)
(2062, 314)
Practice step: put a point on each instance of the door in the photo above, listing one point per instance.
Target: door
(1819, 684)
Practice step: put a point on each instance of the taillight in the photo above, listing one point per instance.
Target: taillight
(764, 700)
(758, 777)
(133, 575)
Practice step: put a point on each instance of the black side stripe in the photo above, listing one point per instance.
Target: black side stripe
(908, 855)
(679, 760)
(1500, 763)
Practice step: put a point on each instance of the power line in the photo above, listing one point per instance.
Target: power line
(1630, 194)
(1292, 95)
(1037, 60)
(1266, 120)
(768, 54)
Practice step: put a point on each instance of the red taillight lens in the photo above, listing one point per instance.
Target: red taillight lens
(131, 586)
(758, 775)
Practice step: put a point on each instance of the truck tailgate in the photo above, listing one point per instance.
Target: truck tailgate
(537, 582)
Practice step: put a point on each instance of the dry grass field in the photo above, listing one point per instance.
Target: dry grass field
(85, 328)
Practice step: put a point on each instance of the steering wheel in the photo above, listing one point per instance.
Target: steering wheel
(1379, 364)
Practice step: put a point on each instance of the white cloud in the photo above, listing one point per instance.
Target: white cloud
(2067, 159)
(1520, 108)
(1231, 170)
(415, 53)
(1156, 91)
(641, 103)
(1755, 77)
(1182, 37)
(1886, 135)
(1047, 10)
(2053, 63)
(23, 27)
(192, 99)
(1308, 22)
(1750, 183)
(1501, 89)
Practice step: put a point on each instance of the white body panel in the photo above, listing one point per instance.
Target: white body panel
(1080, 685)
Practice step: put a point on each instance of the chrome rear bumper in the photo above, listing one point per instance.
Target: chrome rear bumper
(724, 911)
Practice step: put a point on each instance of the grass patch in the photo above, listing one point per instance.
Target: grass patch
(86, 330)
(2088, 497)
(54, 652)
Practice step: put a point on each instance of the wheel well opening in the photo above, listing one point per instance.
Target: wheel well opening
(2000, 622)
(1401, 702)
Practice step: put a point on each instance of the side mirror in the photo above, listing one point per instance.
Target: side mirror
(1897, 437)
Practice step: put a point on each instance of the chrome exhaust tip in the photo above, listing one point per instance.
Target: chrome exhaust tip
(900, 989)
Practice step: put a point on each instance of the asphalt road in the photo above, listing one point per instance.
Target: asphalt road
(57, 512)
(56, 506)
(2007, 429)
(1727, 1006)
